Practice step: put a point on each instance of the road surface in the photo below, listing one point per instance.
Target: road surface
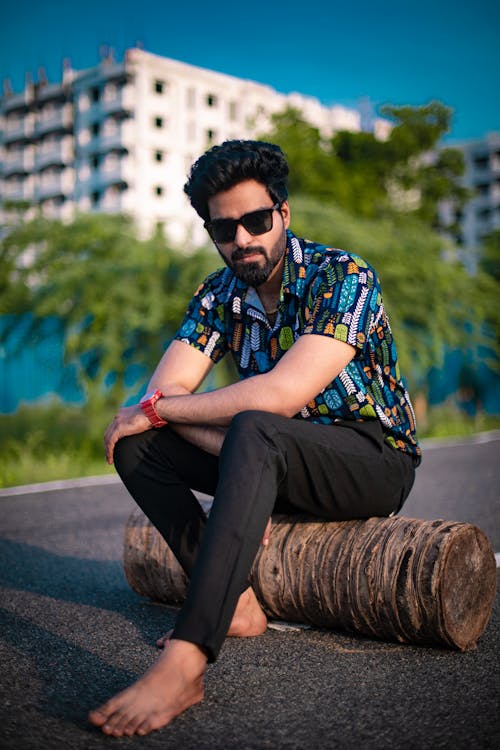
(72, 633)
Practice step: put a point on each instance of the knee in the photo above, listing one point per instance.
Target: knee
(127, 453)
(257, 428)
(251, 422)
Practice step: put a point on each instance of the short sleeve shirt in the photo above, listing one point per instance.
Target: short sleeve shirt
(324, 291)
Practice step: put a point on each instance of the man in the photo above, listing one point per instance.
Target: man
(320, 422)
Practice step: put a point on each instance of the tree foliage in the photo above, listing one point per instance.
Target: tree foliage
(372, 177)
(380, 198)
(118, 298)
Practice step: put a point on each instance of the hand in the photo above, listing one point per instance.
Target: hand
(267, 533)
(130, 420)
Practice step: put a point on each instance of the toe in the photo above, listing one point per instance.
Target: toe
(162, 642)
(97, 717)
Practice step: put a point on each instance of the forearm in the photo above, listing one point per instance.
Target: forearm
(207, 437)
(216, 408)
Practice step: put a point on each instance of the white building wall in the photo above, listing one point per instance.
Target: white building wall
(481, 214)
(126, 137)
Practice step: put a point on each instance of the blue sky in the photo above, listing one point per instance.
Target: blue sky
(391, 52)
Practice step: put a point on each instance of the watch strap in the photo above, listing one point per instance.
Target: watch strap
(148, 408)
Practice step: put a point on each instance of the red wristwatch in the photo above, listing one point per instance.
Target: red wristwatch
(147, 404)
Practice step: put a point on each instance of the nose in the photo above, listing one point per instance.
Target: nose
(242, 238)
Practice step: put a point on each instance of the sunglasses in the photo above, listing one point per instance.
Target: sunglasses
(255, 222)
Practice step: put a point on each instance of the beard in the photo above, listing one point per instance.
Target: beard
(255, 273)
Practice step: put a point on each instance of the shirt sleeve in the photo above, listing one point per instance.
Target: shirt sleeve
(345, 300)
(203, 326)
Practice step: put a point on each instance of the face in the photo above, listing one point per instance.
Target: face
(255, 259)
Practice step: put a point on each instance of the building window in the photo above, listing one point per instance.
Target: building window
(95, 128)
(95, 197)
(481, 162)
(191, 131)
(94, 94)
(94, 162)
(158, 155)
(158, 121)
(191, 98)
(211, 100)
(158, 190)
(159, 87)
(211, 134)
(233, 111)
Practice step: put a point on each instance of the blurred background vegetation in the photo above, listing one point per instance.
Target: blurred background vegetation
(116, 299)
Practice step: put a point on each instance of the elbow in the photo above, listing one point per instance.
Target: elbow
(289, 411)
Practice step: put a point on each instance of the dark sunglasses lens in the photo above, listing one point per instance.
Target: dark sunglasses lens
(223, 230)
(255, 222)
(258, 222)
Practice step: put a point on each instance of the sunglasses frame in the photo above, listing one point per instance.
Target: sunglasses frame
(209, 225)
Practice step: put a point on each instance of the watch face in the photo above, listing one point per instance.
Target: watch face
(147, 397)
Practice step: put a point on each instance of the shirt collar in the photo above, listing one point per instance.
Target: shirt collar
(294, 266)
(293, 269)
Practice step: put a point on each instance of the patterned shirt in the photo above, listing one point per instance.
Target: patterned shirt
(324, 291)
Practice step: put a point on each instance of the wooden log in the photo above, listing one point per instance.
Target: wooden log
(402, 579)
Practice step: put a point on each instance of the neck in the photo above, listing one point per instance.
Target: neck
(269, 292)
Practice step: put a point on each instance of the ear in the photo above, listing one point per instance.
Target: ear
(285, 212)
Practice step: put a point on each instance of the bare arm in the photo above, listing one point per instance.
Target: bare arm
(180, 372)
(310, 365)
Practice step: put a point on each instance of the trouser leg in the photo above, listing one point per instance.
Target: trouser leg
(159, 469)
(272, 463)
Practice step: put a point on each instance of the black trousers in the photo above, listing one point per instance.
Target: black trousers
(268, 464)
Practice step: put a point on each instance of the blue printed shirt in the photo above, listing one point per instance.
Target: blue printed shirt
(324, 291)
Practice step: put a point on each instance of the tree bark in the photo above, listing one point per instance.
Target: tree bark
(401, 579)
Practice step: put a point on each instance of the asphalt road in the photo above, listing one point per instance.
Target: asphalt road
(72, 633)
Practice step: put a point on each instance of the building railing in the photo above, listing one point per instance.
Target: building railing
(59, 121)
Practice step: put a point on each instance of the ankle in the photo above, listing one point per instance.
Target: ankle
(188, 654)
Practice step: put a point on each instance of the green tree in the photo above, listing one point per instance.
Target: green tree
(418, 163)
(118, 298)
(370, 177)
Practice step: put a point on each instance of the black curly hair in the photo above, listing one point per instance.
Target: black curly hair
(232, 162)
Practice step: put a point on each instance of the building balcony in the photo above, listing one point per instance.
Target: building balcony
(21, 132)
(54, 186)
(117, 175)
(17, 164)
(59, 122)
(117, 103)
(117, 140)
(16, 103)
(13, 191)
(59, 154)
(120, 105)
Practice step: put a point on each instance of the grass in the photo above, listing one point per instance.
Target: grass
(44, 443)
(447, 421)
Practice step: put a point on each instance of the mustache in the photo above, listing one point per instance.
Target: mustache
(240, 252)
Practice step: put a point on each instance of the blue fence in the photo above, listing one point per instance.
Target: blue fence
(32, 368)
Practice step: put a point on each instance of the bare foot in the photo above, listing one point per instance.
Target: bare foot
(248, 620)
(169, 687)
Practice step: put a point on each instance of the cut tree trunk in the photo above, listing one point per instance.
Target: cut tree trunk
(401, 579)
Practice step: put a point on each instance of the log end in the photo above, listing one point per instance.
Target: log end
(467, 587)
